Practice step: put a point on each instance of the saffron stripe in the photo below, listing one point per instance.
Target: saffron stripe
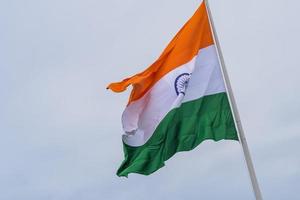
(194, 36)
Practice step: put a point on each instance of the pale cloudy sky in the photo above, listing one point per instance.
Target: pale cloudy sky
(60, 129)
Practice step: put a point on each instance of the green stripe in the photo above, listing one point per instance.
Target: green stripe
(182, 129)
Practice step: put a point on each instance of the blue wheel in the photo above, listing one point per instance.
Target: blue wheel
(181, 83)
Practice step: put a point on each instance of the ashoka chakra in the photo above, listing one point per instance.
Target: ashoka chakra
(181, 83)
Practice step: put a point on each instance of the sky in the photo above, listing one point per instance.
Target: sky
(60, 128)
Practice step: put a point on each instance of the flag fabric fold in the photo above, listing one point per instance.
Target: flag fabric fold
(177, 102)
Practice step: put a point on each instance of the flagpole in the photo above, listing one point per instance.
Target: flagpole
(234, 109)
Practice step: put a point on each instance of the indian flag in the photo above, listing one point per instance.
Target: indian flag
(177, 102)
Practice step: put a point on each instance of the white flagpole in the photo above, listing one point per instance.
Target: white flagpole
(234, 109)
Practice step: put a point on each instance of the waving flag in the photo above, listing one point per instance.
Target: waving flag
(177, 102)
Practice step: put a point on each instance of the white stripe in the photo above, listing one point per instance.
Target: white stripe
(207, 77)
(141, 117)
